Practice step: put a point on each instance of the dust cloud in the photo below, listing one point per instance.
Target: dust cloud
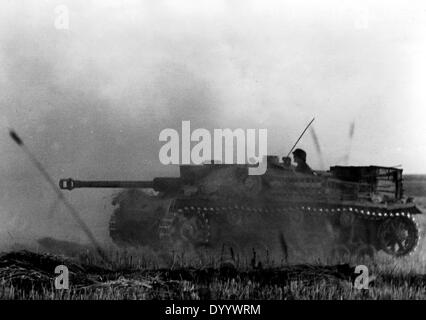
(90, 101)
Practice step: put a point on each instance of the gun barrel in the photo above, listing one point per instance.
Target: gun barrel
(158, 184)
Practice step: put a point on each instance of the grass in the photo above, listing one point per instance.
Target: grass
(138, 276)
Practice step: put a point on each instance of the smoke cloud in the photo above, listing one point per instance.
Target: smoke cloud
(91, 101)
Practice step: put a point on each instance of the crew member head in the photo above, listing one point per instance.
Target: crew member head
(299, 156)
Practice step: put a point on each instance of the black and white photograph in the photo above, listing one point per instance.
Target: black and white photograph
(212, 150)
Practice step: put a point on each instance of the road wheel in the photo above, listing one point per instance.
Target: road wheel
(398, 236)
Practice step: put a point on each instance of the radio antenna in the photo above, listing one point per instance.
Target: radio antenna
(300, 137)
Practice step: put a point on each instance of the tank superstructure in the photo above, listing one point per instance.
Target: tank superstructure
(358, 209)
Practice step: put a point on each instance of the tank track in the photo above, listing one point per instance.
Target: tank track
(187, 223)
(185, 228)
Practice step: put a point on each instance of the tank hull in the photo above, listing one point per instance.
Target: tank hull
(286, 228)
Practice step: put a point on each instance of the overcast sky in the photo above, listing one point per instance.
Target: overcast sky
(91, 101)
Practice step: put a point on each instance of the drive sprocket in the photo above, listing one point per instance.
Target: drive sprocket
(184, 230)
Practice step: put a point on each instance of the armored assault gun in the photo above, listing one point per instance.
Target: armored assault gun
(356, 209)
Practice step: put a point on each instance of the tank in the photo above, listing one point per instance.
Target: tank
(349, 209)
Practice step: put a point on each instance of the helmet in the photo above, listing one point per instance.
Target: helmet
(300, 154)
